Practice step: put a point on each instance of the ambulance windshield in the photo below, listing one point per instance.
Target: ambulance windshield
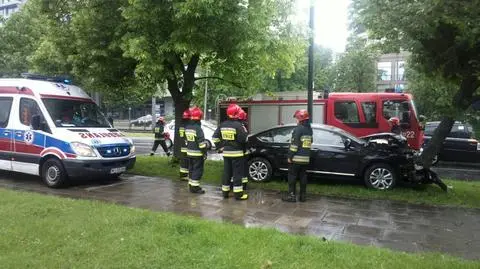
(75, 113)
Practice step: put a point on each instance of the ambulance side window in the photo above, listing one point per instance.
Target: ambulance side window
(5, 107)
(28, 108)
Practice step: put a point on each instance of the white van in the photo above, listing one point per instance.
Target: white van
(55, 130)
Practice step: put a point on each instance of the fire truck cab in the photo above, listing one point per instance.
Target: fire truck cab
(360, 114)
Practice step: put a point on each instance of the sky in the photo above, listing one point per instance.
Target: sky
(331, 22)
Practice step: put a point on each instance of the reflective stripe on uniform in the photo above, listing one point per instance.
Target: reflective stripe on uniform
(245, 180)
(202, 145)
(194, 183)
(233, 153)
(225, 188)
(301, 159)
(216, 140)
(294, 148)
(183, 149)
(238, 189)
(192, 152)
(183, 170)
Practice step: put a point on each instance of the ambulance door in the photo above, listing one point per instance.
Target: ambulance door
(6, 133)
(28, 144)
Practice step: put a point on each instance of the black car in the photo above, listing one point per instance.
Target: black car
(334, 153)
(459, 146)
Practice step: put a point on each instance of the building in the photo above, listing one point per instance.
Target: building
(8, 7)
(391, 72)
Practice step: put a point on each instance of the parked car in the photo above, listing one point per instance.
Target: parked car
(460, 144)
(143, 121)
(334, 153)
(207, 127)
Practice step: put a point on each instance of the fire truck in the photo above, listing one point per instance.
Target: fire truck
(360, 114)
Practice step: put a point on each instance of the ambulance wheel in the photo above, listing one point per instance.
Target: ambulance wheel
(259, 169)
(53, 173)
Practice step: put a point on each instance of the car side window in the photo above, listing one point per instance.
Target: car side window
(5, 107)
(282, 135)
(323, 137)
(459, 131)
(28, 108)
(265, 137)
(347, 111)
(429, 129)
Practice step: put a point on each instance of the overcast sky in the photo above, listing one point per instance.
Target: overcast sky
(331, 21)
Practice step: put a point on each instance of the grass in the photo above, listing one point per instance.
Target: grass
(40, 231)
(464, 194)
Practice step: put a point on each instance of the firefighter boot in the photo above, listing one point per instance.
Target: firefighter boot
(303, 193)
(241, 196)
(225, 194)
(290, 196)
(196, 189)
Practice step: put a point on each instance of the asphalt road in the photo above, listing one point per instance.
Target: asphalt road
(445, 171)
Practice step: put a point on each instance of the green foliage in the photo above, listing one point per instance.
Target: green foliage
(355, 70)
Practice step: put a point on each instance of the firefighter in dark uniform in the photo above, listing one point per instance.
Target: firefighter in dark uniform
(196, 150)
(159, 131)
(183, 145)
(242, 117)
(299, 156)
(232, 136)
(394, 123)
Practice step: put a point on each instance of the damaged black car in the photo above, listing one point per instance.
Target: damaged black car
(380, 160)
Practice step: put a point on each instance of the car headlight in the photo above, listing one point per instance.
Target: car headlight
(132, 149)
(83, 150)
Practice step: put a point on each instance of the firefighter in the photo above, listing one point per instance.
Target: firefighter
(183, 145)
(394, 123)
(232, 136)
(160, 135)
(299, 156)
(196, 150)
(242, 117)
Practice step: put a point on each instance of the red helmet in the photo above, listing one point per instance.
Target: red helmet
(301, 115)
(242, 115)
(161, 119)
(186, 114)
(394, 120)
(233, 110)
(196, 113)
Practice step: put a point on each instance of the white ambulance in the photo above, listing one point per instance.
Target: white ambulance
(55, 130)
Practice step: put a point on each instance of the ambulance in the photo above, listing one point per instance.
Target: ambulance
(54, 130)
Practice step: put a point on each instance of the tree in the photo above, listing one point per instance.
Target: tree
(444, 39)
(240, 42)
(355, 70)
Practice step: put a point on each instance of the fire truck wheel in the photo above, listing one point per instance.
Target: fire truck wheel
(259, 169)
(380, 176)
(53, 173)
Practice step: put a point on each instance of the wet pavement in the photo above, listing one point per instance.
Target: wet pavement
(394, 225)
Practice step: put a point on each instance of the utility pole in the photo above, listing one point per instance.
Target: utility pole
(205, 98)
(310, 60)
(154, 116)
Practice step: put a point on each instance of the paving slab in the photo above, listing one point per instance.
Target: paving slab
(389, 224)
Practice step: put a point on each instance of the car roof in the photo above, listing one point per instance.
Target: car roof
(436, 123)
(314, 126)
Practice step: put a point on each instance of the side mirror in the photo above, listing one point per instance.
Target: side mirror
(347, 143)
(36, 122)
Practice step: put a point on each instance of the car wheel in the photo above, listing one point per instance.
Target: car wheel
(380, 176)
(53, 173)
(259, 169)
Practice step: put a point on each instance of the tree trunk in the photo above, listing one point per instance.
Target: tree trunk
(436, 143)
(180, 106)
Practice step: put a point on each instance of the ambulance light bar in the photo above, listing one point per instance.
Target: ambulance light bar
(57, 79)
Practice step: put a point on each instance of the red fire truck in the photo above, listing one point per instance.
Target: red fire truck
(360, 114)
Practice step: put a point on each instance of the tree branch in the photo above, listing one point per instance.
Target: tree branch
(222, 79)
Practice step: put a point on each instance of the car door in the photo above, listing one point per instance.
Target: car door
(6, 133)
(330, 155)
(459, 146)
(275, 143)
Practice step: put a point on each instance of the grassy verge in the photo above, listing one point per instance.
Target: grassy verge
(47, 232)
(465, 194)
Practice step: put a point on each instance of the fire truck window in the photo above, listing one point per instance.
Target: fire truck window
(370, 112)
(347, 111)
(396, 108)
(28, 108)
(5, 106)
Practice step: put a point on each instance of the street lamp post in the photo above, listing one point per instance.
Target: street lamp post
(205, 99)
(310, 61)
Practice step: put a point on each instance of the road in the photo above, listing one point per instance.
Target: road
(446, 171)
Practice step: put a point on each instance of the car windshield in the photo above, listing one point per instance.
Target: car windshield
(75, 113)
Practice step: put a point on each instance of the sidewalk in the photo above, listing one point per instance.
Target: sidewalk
(394, 225)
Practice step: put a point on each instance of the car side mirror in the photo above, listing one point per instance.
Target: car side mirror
(347, 143)
(36, 122)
